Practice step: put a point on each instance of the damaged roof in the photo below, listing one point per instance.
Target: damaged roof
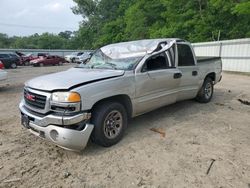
(138, 48)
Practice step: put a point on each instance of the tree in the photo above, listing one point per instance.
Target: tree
(66, 34)
(109, 21)
(4, 40)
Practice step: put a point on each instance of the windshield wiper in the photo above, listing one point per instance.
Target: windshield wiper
(112, 65)
(103, 66)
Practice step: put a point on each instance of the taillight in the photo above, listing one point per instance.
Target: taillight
(1, 65)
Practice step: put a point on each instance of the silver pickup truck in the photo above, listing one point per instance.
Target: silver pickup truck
(120, 81)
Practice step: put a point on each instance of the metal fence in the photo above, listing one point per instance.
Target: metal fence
(235, 54)
(35, 51)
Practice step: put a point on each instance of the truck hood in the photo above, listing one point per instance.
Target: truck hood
(71, 78)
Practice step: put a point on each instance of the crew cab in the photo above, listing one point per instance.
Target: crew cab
(118, 82)
(48, 60)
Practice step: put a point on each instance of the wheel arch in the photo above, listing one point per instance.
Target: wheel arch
(122, 99)
(211, 75)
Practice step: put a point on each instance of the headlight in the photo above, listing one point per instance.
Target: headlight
(68, 97)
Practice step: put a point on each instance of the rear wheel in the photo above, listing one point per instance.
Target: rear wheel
(110, 121)
(206, 92)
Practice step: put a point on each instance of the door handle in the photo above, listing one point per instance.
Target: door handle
(177, 75)
(194, 73)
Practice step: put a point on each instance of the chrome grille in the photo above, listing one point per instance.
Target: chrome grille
(34, 100)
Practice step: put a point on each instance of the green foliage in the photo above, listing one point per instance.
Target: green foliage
(242, 8)
(64, 40)
(194, 20)
(110, 21)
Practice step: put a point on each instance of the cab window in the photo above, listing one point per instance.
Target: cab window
(156, 62)
(185, 55)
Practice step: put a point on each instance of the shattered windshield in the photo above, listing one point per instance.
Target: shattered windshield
(101, 61)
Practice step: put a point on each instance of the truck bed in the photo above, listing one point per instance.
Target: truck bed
(201, 59)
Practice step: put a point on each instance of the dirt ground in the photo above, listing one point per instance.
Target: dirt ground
(196, 134)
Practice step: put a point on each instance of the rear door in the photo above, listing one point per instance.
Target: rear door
(156, 83)
(187, 64)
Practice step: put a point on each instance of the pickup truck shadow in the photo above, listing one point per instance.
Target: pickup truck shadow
(164, 118)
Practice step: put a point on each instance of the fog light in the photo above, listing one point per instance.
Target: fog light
(54, 135)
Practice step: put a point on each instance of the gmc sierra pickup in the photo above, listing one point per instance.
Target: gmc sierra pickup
(119, 81)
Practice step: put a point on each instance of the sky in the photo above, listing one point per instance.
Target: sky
(27, 17)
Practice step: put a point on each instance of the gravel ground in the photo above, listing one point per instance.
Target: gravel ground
(195, 135)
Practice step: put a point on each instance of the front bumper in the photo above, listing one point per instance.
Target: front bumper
(48, 128)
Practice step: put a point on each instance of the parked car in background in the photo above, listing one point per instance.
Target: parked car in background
(3, 74)
(16, 58)
(23, 58)
(82, 58)
(10, 60)
(29, 57)
(26, 58)
(72, 57)
(48, 60)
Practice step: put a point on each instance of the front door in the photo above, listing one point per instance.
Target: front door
(157, 84)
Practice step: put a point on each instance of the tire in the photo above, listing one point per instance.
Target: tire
(73, 60)
(206, 92)
(26, 63)
(13, 65)
(106, 132)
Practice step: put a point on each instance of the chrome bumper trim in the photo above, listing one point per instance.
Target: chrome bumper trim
(53, 119)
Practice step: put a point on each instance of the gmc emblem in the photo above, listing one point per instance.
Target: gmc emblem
(30, 97)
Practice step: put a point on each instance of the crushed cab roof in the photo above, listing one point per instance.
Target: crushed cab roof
(137, 48)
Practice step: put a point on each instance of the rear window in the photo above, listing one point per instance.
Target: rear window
(185, 55)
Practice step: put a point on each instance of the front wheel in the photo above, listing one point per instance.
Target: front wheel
(206, 92)
(110, 121)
